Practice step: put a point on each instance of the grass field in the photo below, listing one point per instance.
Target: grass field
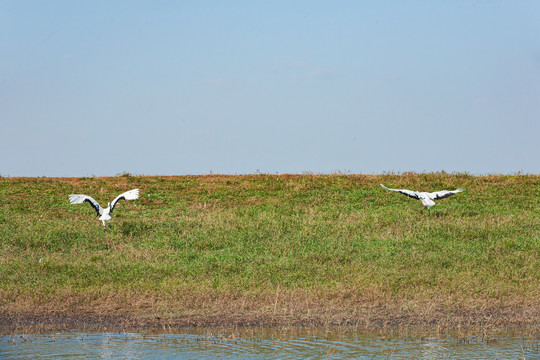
(273, 249)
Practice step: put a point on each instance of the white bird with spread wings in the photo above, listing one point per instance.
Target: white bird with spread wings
(426, 197)
(104, 214)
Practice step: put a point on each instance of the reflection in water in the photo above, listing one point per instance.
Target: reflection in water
(303, 344)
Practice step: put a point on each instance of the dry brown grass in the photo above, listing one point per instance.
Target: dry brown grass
(280, 308)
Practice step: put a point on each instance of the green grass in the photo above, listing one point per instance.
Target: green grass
(191, 240)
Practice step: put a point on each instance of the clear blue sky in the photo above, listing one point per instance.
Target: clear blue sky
(193, 87)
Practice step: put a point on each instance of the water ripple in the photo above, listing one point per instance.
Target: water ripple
(80, 345)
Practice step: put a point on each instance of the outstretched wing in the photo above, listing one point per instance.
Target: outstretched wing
(79, 199)
(443, 194)
(128, 195)
(409, 193)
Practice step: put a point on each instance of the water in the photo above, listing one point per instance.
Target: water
(267, 345)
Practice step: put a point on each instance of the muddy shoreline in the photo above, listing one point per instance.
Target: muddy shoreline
(374, 319)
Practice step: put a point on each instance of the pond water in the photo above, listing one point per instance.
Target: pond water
(262, 344)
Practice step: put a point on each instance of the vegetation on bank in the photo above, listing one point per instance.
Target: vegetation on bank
(271, 246)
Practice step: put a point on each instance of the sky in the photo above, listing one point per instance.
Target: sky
(100, 88)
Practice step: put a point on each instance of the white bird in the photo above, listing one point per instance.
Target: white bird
(425, 197)
(105, 214)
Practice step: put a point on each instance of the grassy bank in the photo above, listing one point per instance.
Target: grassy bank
(272, 249)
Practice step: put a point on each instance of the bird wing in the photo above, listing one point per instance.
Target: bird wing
(443, 194)
(409, 193)
(79, 199)
(128, 195)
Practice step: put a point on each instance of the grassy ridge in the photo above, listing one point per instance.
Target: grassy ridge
(293, 246)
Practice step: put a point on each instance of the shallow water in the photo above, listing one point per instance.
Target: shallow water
(267, 345)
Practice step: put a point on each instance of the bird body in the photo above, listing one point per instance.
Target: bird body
(426, 197)
(104, 213)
